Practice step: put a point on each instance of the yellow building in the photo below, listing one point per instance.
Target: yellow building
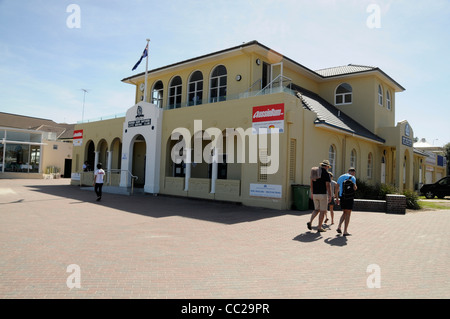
(245, 123)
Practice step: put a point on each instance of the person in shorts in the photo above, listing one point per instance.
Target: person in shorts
(346, 203)
(334, 199)
(98, 181)
(321, 195)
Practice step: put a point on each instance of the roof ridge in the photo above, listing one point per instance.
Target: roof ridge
(364, 66)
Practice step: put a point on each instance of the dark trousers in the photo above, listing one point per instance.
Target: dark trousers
(98, 189)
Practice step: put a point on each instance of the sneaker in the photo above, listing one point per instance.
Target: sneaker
(309, 225)
(321, 230)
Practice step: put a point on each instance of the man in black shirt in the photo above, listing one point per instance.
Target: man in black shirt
(321, 195)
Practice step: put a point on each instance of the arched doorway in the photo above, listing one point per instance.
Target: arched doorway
(138, 163)
(90, 155)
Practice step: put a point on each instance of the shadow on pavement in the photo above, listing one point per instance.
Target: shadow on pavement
(165, 206)
(312, 236)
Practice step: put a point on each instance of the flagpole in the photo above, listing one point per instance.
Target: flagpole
(146, 71)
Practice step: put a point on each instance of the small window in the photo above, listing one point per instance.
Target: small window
(369, 166)
(292, 159)
(262, 165)
(218, 84)
(353, 158)
(157, 94)
(344, 94)
(175, 91)
(380, 95)
(332, 158)
(388, 100)
(195, 89)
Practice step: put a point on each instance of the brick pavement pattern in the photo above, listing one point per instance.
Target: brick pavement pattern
(165, 247)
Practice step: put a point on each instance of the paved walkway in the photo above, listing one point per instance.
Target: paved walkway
(165, 247)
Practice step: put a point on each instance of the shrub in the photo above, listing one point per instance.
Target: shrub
(412, 199)
(386, 189)
(377, 191)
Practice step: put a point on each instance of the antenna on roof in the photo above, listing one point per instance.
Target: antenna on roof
(84, 98)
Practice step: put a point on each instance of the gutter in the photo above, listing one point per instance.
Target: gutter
(346, 132)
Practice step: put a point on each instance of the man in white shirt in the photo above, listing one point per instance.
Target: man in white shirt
(98, 181)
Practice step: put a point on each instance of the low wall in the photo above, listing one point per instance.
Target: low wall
(20, 175)
(394, 204)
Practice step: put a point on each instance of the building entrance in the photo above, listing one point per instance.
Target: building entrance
(139, 160)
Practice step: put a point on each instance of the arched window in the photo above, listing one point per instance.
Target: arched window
(369, 166)
(157, 94)
(332, 158)
(195, 88)
(344, 94)
(218, 84)
(388, 99)
(353, 158)
(380, 95)
(175, 90)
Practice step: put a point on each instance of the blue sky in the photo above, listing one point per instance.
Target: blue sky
(44, 64)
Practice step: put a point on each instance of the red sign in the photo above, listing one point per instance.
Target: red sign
(268, 113)
(77, 134)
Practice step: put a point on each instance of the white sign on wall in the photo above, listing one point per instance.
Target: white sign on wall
(266, 190)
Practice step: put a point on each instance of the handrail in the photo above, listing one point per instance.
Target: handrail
(250, 89)
(109, 171)
(133, 177)
(277, 79)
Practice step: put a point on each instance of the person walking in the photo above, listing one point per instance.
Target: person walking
(347, 188)
(320, 194)
(98, 181)
(334, 199)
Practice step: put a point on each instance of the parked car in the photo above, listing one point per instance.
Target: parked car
(440, 189)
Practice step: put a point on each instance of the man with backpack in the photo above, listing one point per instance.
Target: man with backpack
(347, 188)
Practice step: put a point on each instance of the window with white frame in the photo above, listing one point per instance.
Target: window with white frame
(332, 158)
(388, 99)
(218, 84)
(344, 94)
(353, 158)
(380, 95)
(175, 91)
(157, 94)
(195, 89)
(369, 166)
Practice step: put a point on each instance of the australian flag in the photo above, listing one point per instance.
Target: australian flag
(144, 55)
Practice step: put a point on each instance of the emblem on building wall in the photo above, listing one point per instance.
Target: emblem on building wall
(139, 112)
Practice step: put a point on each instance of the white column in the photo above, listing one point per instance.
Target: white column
(187, 172)
(215, 169)
(108, 168)
(96, 160)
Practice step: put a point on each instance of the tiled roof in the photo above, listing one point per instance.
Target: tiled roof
(331, 116)
(346, 69)
(63, 131)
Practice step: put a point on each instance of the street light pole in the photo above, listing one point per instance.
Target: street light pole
(84, 98)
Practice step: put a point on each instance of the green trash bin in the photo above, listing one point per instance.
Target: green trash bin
(301, 194)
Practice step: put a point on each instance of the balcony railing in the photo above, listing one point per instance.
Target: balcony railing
(280, 84)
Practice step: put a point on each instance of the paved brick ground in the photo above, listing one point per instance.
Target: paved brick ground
(165, 247)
